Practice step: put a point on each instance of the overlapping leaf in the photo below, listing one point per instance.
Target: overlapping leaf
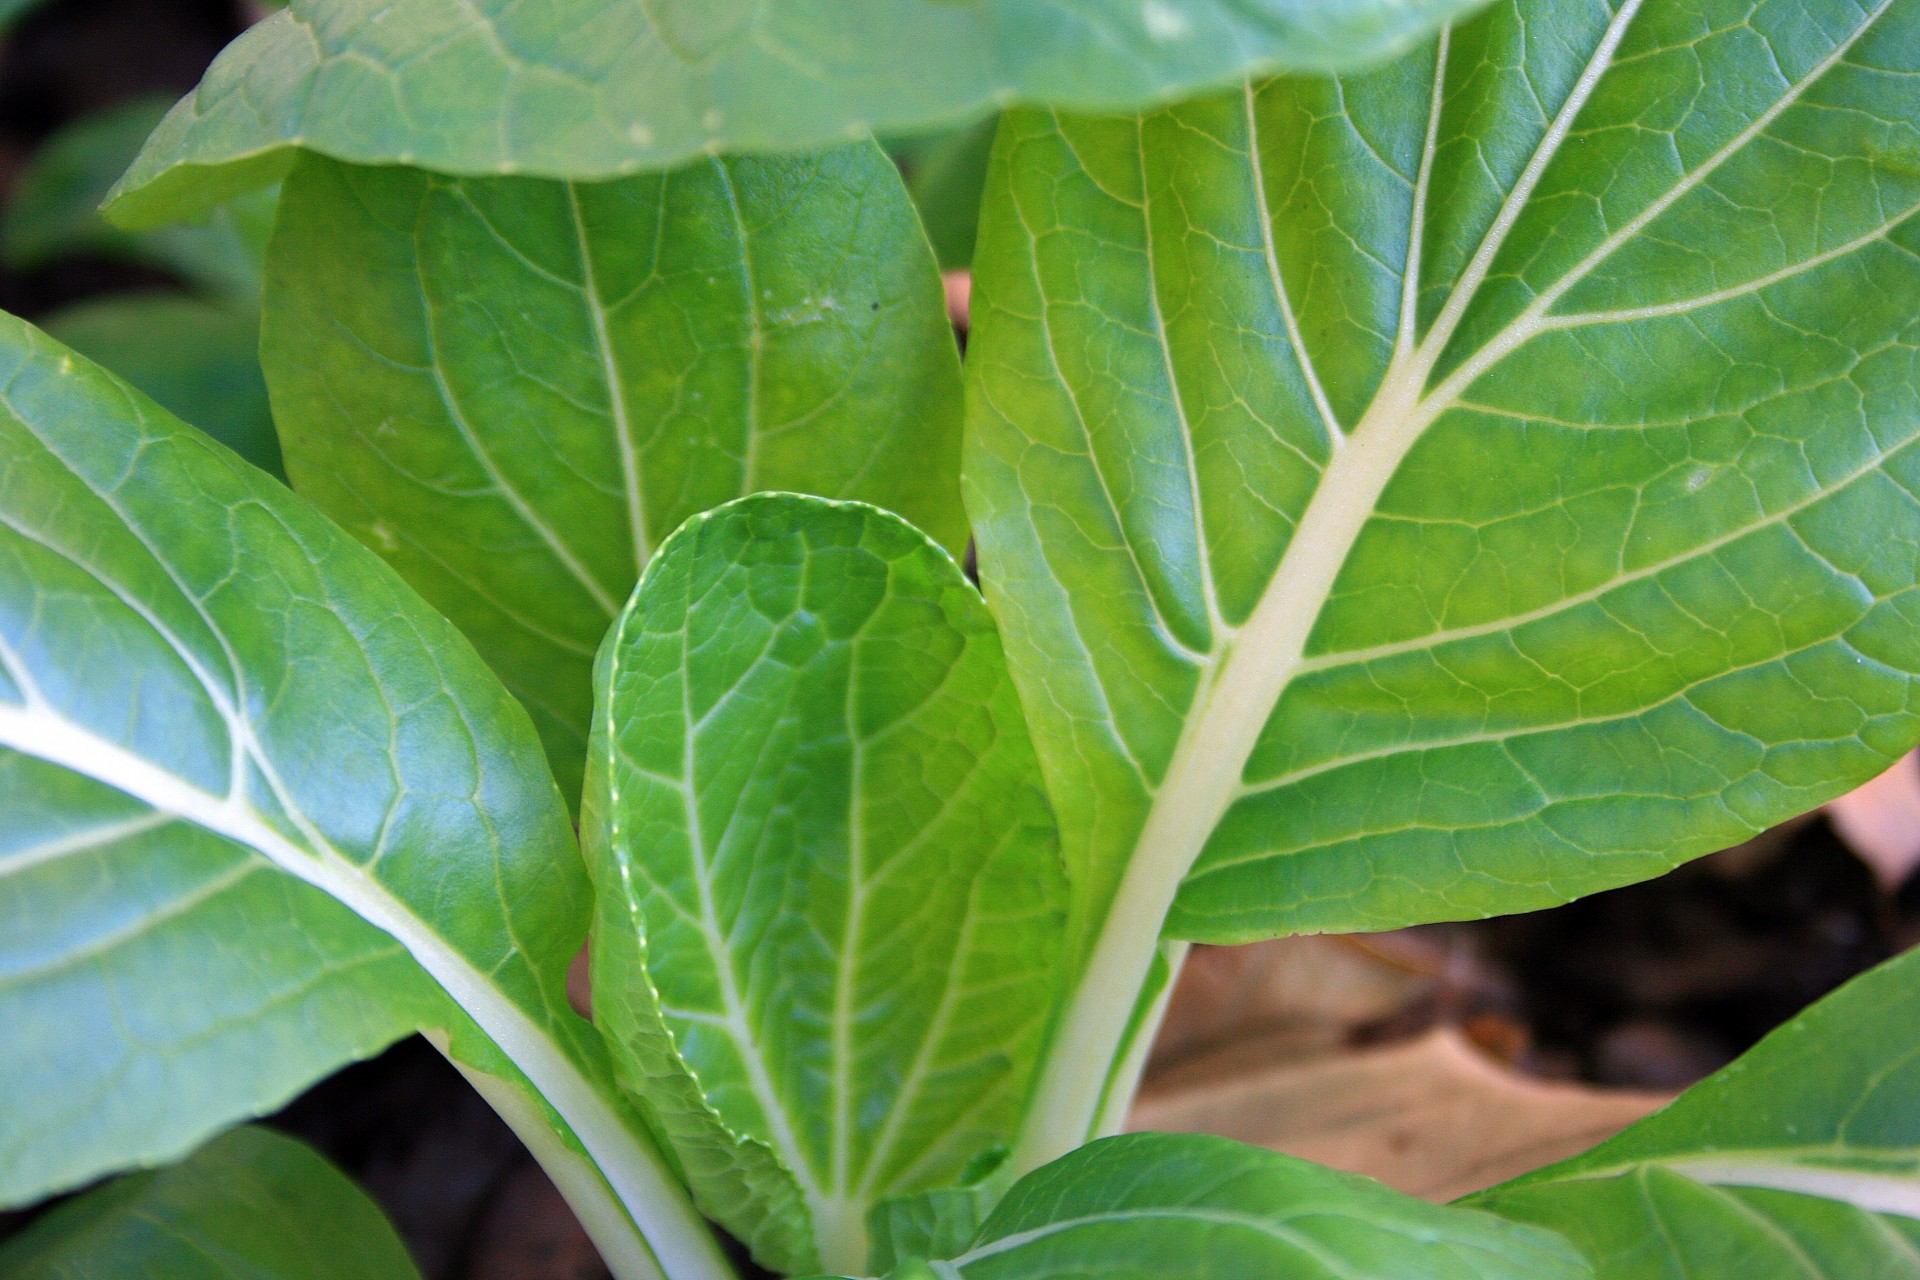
(514, 389)
(250, 1205)
(1801, 1161)
(598, 88)
(1150, 1205)
(830, 896)
(245, 753)
(1462, 485)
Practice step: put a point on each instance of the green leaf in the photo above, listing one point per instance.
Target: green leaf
(600, 88)
(1800, 1160)
(830, 898)
(1455, 487)
(1151, 1205)
(514, 389)
(229, 721)
(946, 174)
(55, 211)
(200, 362)
(250, 1205)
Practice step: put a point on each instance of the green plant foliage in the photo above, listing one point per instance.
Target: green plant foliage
(830, 896)
(54, 211)
(514, 389)
(1459, 486)
(225, 713)
(1800, 1160)
(1150, 1205)
(600, 88)
(946, 172)
(198, 360)
(250, 1205)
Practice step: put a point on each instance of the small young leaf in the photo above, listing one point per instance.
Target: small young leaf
(1147, 1206)
(252, 709)
(830, 896)
(1802, 1158)
(515, 389)
(600, 88)
(1457, 486)
(250, 1205)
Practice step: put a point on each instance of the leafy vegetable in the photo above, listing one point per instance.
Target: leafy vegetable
(830, 900)
(193, 662)
(54, 211)
(1150, 1205)
(199, 361)
(1801, 1159)
(946, 173)
(1454, 487)
(599, 88)
(515, 389)
(251, 1203)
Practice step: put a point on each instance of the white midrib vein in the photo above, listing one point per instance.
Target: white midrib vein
(1250, 668)
(673, 1228)
(616, 387)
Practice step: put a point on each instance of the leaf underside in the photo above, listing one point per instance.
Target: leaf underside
(1800, 1161)
(831, 904)
(1459, 486)
(514, 389)
(589, 89)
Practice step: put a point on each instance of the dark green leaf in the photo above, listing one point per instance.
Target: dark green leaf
(599, 88)
(199, 361)
(1460, 486)
(55, 210)
(227, 722)
(830, 896)
(1148, 1206)
(250, 1205)
(945, 175)
(1799, 1161)
(514, 389)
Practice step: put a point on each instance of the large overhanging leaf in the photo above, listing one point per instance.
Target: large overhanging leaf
(1800, 1160)
(830, 901)
(1152, 1205)
(600, 88)
(243, 752)
(514, 389)
(1456, 487)
(251, 1205)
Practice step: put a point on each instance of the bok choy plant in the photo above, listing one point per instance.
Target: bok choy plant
(1424, 461)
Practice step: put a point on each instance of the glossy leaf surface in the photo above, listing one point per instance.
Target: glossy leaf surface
(250, 1205)
(1464, 485)
(514, 389)
(200, 361)
(830, 896)
(599, 88)
(1800, 1160)
(1150, 1205)
(249, 747)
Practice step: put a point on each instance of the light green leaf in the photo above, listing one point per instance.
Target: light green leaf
(1150, 1205)
(55, 211)
(1460, 486)
(199, 361)
(219, 710)
(1799, 1161)
(250, 1205)
(830, 900)
(514, 389)
(600, 88)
